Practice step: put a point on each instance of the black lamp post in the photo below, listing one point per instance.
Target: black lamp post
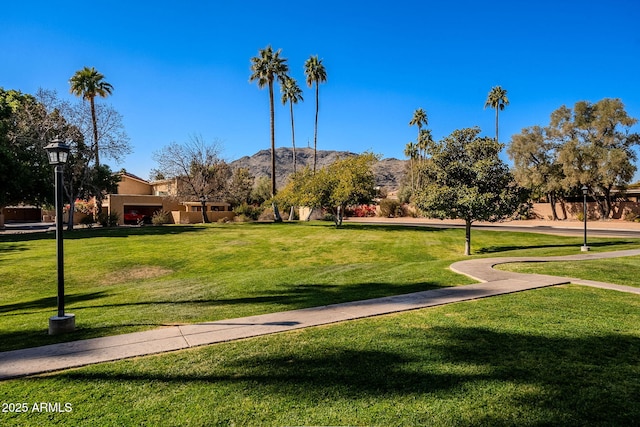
(58, 152)
(585, 191)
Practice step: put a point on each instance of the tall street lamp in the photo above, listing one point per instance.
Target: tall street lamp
(58, 152)
(585, 190)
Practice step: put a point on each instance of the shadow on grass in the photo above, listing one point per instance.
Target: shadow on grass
(49, 302)
(591, 380)
(505, 248)
(294, 297)
(105, 232)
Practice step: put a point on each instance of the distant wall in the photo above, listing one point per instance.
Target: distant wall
(184, 217)
(572, 210)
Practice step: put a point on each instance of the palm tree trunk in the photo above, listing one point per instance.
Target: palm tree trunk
(273, 140)
(413, 188)
(315, 133)
(293, 137)
(94, 122)
(276, 212)
(497, 124)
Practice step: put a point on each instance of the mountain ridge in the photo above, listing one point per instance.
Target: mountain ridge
(388, 172)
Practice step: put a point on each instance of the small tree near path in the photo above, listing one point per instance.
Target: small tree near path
(464, 178)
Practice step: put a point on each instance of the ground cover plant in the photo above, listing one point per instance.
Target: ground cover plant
(566, 355)
(621, 271)
(129, 279)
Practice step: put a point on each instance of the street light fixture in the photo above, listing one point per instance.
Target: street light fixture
(585, 191)
(58, 153)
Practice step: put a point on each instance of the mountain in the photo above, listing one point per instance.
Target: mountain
(388, 172)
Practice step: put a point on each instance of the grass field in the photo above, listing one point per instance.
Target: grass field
(621, 271)
(129, 279)
(565, 356)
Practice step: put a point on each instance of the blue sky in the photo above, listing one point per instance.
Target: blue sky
(182, 68)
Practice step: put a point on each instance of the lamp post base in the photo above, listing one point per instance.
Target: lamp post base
(62, 324)
(585, 248)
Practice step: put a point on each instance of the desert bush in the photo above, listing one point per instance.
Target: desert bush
(160, 217)
(267, 215)
(248, 211)
(108, 220)
(87, 221)
(390, 208)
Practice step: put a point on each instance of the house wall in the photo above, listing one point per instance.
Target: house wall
(116, 203)
(619, 210)
(188, 217)
(22, 214)
(128, 185)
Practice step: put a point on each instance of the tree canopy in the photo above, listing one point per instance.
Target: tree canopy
(348, 181)
(590, 145)
(87, 84)
(464, 178)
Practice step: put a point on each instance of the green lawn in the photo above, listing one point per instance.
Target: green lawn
(621, 271)
(565, 356)
(130, 279)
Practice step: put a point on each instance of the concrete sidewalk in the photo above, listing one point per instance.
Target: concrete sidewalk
(55, 357)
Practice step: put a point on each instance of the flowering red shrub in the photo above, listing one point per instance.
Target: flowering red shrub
(361, 211)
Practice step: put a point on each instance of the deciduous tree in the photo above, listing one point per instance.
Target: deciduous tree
(348, 181)
(596, 147)
(200, 173)
(536, 164)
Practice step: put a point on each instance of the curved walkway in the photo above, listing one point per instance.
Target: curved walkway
(55, 357)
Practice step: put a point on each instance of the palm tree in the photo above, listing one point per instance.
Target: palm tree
(497, 99)
(316, 73)
(265, 68)
(87, 84)
(419, 119)
(291, 93)
(411, 151)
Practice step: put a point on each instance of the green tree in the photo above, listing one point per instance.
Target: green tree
(240, 187)
(316, 73)
(464, 178)
(596, 148)
(345, 182)
(291, 93)
(265, 69)
(88, 83)
(497, 99)
(200, 173)
(84, 178)
(536, 166)
(25, 128)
